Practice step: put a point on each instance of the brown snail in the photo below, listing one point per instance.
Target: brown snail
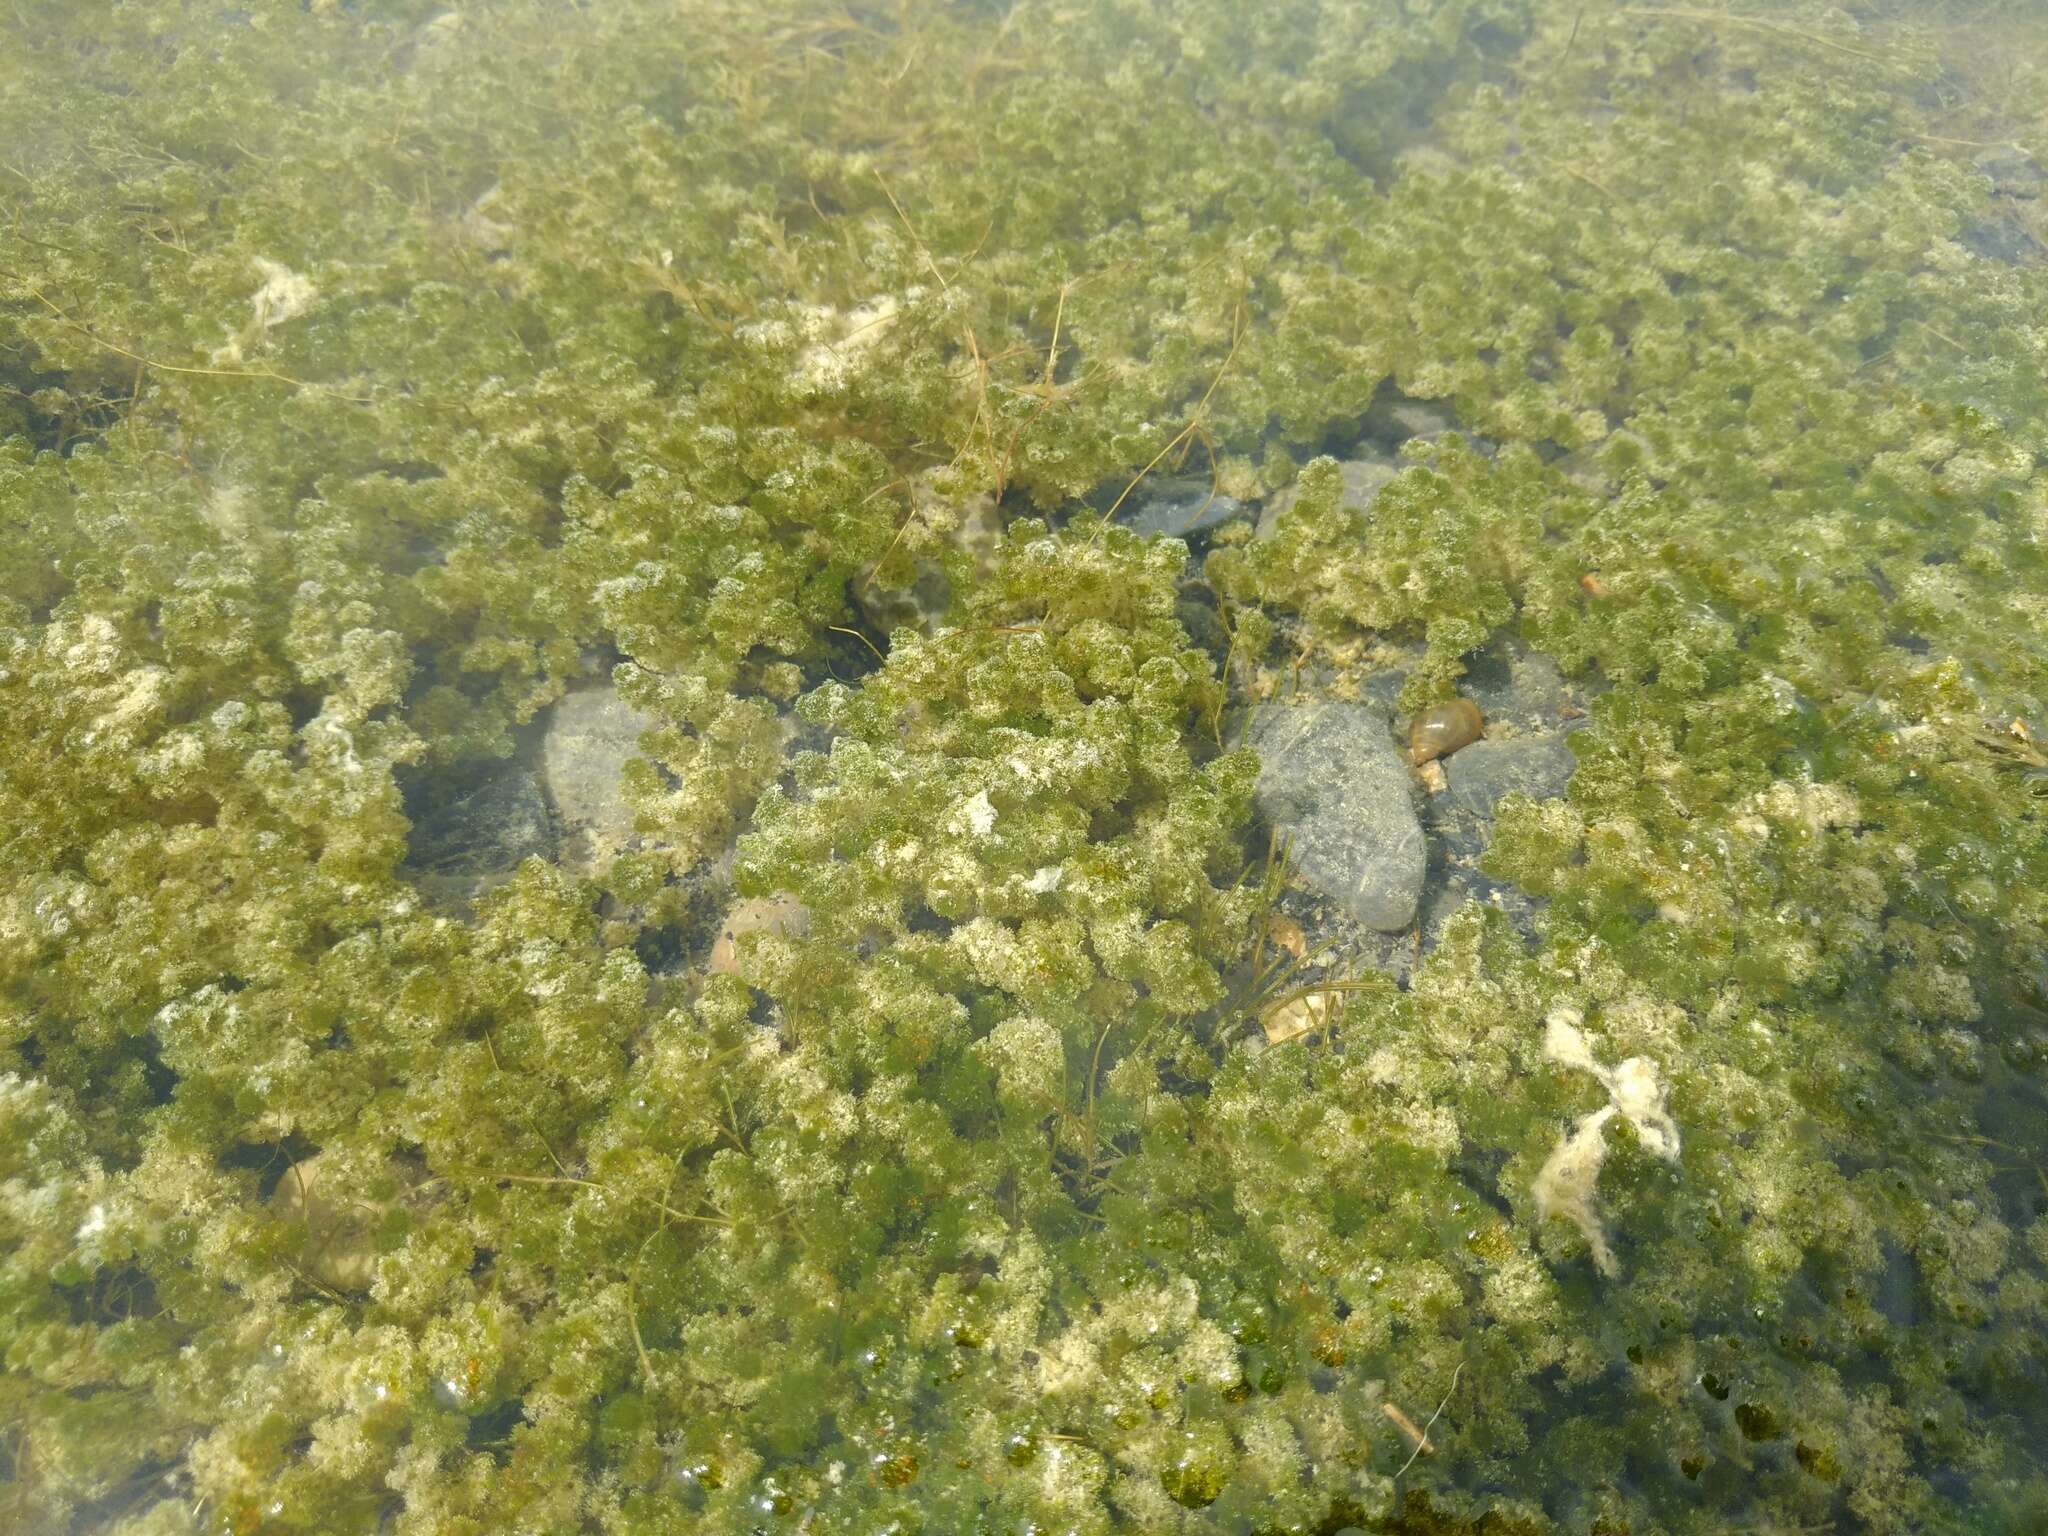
(1443, 728)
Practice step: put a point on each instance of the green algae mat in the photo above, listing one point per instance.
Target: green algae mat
(877, 1071)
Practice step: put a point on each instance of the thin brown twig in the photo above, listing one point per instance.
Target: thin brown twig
(1580, 175)
(633, 1275)
(1944, 335)
(1577, 17)
(1094, 1069)
(534, 1126)
(143, 361)
(1238, 328)
(732, 1120)
(984, 414)
(662, 1205)
(902, 528)
(672, 284)
(1052, 351)
(916, 239)
(1713, 17)
(1422, 1439)
(318, 1285)
(841, 629)
(1936, 138)
(986, 230)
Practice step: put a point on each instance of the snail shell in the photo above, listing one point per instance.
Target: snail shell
(1443, 728)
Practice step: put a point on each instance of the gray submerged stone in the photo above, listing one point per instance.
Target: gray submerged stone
(2012, 170)
(1177, 508)
(1510, 682)
(472, 829)
(1481, 775)
(1331, 781)
(591, 733)
(2001, 238)
(1363, 479)
(1199, 616)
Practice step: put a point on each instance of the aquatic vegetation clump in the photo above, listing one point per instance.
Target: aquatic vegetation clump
(1565, 1183)
(905, 1127)
(1431, 558)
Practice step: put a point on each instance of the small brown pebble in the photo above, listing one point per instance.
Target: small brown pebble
(758, 914)
(1408, 1427)
(1286, 934)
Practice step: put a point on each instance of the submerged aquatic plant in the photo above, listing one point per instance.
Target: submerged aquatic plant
(362, 397)
(1565, 1184)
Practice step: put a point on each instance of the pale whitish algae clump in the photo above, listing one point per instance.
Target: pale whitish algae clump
(592, 733)
(285, 295)
(644, 886)
(1566, 1182)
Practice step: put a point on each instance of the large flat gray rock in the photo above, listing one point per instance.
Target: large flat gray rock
(1331, 781)
(471, 829)
(1177, 507)
(1512, 683)
(1539, 765)
(591, 732)
(1363, 479)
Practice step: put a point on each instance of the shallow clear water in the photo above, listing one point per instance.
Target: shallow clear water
(718, 774)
